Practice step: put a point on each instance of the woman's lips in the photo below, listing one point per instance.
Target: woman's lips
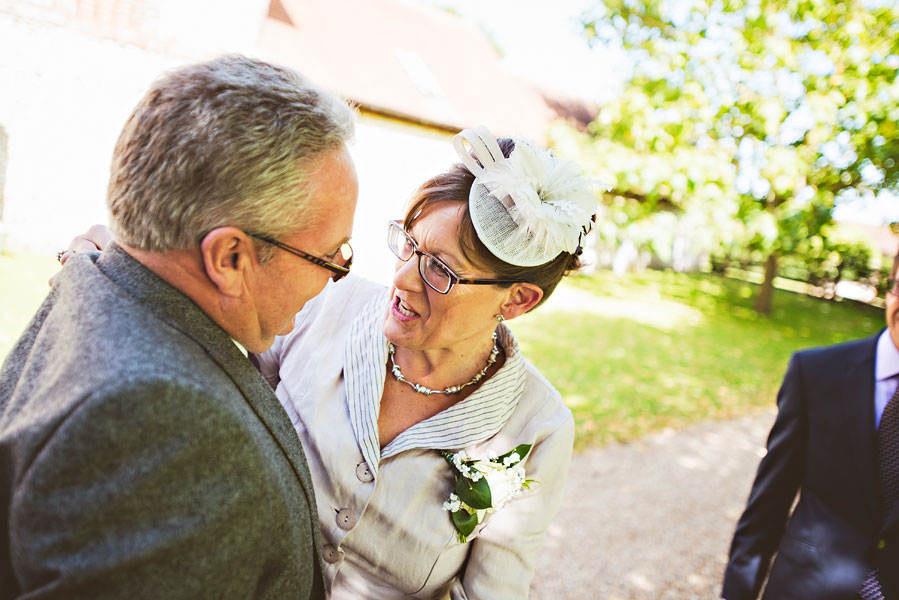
(401, 311)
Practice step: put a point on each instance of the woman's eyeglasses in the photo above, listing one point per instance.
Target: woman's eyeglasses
(433, 271)
(338, 271)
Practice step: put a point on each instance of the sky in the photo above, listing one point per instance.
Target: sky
(543, 41)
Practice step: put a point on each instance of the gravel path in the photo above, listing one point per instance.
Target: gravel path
(652, 519)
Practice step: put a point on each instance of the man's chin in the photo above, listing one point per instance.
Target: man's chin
(288, 327)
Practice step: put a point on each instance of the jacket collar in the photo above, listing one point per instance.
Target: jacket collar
(857, 389)
(473, 420)
(171, 306)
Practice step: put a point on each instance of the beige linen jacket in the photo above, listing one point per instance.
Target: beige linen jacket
(384, 530)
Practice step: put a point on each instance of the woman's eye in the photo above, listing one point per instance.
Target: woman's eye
(435, 268)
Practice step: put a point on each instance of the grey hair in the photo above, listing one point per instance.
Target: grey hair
(225, 142)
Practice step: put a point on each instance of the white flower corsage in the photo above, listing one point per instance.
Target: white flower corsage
(483, 485)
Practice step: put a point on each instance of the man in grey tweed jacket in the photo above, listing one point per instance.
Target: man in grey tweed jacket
(141, 454)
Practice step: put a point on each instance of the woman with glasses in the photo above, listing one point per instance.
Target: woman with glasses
(438, 453)
(387, 386)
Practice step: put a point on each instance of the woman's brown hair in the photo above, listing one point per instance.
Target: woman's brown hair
(454, 186)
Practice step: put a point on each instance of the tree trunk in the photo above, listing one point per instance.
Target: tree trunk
(763, 301)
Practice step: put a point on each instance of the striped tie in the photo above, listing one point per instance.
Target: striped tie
(888, 463)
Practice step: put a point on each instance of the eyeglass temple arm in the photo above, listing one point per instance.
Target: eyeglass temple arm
(487, 281)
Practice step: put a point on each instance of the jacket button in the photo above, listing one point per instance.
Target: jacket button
(363, 473)
(881, 544)
(331, 553)
(346, 519)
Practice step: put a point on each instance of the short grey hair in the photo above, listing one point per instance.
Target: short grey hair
(225, 142)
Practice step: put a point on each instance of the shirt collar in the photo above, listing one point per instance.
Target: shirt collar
(240, 347)
(475, 419)
(887, 363)
(478, 417)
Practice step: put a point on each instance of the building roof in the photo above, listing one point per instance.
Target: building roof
(406, 60)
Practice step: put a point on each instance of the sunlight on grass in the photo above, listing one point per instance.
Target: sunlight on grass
(652, 310)
(25, 278)
(674, 349)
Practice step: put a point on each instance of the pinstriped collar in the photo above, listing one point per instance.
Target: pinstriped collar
(473, 420)
(364, 369)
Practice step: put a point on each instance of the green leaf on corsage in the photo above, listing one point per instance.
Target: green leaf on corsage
(475, 494)
(521, 450)
(465, 523)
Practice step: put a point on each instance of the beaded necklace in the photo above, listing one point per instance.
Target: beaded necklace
(453, 389)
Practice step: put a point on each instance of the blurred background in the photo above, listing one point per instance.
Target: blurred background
(750, 147)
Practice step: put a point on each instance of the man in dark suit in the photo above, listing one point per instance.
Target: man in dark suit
(141, 455)
(836, 442)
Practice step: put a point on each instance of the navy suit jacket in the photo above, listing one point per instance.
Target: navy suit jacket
(823, 446)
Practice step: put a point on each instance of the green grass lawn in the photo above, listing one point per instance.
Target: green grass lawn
(24, 276)
(630, 354)
(638, 353)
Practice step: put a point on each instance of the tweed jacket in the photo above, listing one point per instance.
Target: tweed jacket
(385, 532)
(142, 455)
(823, 446)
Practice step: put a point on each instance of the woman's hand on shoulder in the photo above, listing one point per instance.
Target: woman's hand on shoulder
(94, 239)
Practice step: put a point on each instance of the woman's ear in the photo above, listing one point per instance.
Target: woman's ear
(228, 253)
(522, 298)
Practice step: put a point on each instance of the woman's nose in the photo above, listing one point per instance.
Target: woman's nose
(406, 275)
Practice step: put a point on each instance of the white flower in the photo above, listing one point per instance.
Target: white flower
(511, 459)
(504, 485)
(453, 503)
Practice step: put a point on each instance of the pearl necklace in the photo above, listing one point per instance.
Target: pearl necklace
(451, 389)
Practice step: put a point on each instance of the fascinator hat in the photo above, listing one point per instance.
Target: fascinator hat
(528, 208)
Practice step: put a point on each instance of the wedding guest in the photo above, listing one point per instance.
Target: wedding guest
(142, 454)
(835, 442)
(394, 392)
(438, 452)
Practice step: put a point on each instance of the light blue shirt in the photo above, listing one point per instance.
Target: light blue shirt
(886, 374)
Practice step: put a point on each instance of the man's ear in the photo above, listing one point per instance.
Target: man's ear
(522, 298)
(228, 253)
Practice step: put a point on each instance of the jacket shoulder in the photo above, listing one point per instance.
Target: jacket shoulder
(827, 357)
(543, 401)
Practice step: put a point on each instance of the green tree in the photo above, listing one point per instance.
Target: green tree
(766, 112)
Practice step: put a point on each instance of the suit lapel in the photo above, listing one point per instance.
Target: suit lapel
(857, 392)
(265, 404)
(176, 309)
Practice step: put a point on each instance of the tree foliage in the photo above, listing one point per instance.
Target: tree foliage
(762, 113)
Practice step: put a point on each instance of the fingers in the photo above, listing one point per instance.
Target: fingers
(63, 255)
(99, 235)
(94, 239)
(83, 243)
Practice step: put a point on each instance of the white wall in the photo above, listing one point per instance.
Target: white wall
(392, 160)
(64, 96)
